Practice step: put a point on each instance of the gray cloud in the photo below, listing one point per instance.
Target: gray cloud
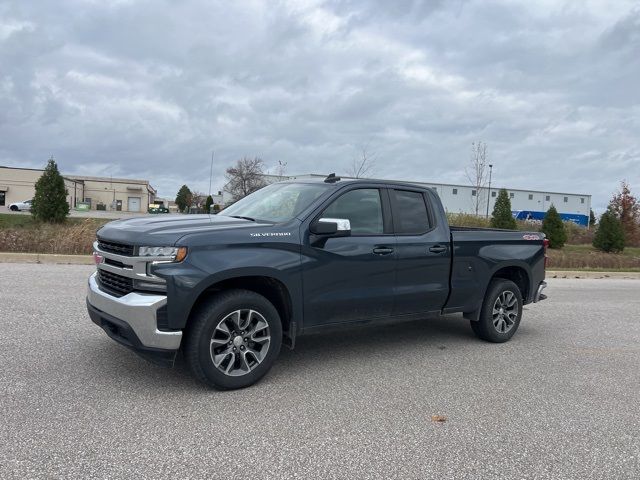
(147, 89)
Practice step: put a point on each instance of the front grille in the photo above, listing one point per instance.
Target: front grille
(114, 283)
(118, 248)
(115, 263)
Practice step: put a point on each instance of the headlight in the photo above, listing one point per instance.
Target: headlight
(174, 253)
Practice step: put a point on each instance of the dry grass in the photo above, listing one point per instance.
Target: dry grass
(467, 220)
(585, 257)
(23, 235)
(74, 237)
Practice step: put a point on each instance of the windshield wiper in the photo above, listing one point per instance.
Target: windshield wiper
(244, 218)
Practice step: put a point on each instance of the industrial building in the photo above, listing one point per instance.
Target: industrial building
(525, 204)
(98, 193)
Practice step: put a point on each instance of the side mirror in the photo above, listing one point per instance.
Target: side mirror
(331, 226)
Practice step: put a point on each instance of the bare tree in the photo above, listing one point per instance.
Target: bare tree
(362, 165)
(198, 198)
(477, 173)
(281, 168)
(245, 177)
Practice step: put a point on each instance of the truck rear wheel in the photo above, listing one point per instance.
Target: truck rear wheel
(233, 339)
(501, 312)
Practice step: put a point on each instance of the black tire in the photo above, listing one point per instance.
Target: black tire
(13, 208)
(486, 328)
(206, 330)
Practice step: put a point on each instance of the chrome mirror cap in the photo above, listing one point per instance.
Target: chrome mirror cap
(344, 225)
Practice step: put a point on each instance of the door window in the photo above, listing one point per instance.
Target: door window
(410, 213)
(362, 207)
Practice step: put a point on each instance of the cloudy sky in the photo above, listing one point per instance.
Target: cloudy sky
(148, 88)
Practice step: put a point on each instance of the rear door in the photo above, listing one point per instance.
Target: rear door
(422, 252)
(351, 278)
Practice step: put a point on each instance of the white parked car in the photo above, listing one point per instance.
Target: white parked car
(18, 206)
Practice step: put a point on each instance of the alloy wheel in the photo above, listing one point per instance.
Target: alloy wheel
(240, 342)
(505, 311)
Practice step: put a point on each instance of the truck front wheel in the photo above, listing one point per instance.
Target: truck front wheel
(233, 339)
(501, 312)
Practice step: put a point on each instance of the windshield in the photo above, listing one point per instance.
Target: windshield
(277, 202)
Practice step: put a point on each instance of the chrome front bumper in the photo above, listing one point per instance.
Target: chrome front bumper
(138, 311)
(539, 295)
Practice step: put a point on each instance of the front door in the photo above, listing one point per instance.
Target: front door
(351, 278)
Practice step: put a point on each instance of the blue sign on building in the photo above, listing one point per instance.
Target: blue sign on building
(537, 217)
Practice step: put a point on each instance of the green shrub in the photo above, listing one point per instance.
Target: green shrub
(609, 237)
(553, 228)
(501, 216)
(184, 198)
(207, 204)
(50, 200)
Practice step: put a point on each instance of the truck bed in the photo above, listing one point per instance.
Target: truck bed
(478, 253)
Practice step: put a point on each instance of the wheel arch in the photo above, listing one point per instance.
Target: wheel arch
(264, 283)
(518, 273)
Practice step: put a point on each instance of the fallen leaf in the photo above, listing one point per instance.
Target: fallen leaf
(438, 418)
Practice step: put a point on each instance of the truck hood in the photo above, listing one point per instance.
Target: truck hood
(168, 229)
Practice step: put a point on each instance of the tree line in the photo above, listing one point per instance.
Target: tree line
(618, 226)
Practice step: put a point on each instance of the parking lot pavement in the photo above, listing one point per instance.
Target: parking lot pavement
(560, 400)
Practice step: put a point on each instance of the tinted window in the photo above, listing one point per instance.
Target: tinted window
(362, 208)
(411, 212)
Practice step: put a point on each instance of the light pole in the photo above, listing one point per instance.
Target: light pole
(489, 194)
(211, 173)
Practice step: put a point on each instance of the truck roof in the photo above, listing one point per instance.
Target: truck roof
(341, 181)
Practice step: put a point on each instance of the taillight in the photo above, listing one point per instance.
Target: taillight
(545, 243)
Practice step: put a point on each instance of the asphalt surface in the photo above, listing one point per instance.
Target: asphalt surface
(560, 400)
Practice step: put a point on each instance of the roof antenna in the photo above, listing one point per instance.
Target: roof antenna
(331, 178)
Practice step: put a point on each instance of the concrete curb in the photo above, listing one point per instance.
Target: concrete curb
(581, 274)
(10, 257)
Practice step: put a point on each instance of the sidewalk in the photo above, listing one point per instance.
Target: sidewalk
(8, 257)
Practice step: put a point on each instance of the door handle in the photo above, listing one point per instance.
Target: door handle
(382, 250)
(438, 249)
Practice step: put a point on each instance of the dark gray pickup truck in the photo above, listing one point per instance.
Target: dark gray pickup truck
(229, 289)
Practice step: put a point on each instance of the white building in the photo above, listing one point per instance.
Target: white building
(525, 204)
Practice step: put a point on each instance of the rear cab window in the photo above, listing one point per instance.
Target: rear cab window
(410, 213)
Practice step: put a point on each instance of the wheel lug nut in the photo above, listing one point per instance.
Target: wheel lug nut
(241, 347)
(246, 340)
(234, 349)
